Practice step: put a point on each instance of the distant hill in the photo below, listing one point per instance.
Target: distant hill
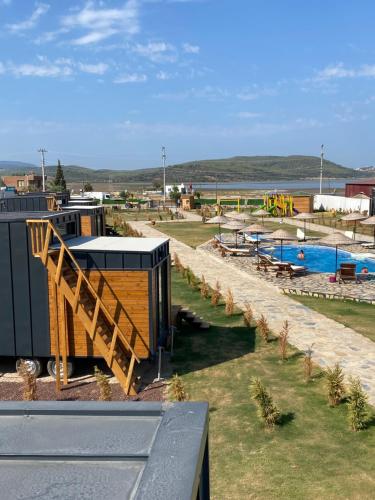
(236, 169)
(15, 167)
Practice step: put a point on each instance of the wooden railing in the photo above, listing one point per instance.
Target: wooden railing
(42, 233)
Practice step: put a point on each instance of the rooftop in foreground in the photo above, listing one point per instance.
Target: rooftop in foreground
(115, 244)
(104, 450)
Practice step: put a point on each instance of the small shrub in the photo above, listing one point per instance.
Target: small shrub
(188, 275)
(105, 391)
(229, 303)
(178, 389)
(205, 289)
(335, 385)
(283, 340)
(216, 294)
(29, 382)
(357, 405)
(267, 410)
(263, 328)
(308, 364)
(177, 263)
(248, 315)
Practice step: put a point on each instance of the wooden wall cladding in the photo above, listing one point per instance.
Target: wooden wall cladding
(303, 203)
(87, 225)
(126, 295)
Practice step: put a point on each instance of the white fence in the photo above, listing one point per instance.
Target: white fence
(340, 203)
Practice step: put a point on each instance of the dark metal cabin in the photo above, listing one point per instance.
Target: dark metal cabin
(132, 276)
(24, 315)
(31, 202)
(96, 450)
(92, 219)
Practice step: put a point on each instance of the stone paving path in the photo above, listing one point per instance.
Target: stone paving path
(332, 342)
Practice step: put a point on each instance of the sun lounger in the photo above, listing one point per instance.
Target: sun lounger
(286, 268)
(346, 273)
(267, 261)
(232, 250)
(368, 245)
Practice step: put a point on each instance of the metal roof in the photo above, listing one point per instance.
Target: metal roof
(114, 244)
(96, 450)
(22, 216)
(365, 182)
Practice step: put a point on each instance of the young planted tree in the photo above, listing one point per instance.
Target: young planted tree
(87, 187)
(178, 389)
(267, 410)
(357, 405)
(177, 263)
(308, 364)
(335, 385)
(105, 391)
(216, 294)
(229, 303)
(263, 328)
(283, 340)
(205, 289)
(248, 315)
(29, 382)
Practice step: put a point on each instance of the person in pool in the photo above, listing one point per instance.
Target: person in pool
(301, 255)
(364, 270)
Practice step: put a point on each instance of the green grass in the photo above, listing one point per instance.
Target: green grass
(139, 215)
(358, 316)
(191, 233)
(196, 233)
(312, 455)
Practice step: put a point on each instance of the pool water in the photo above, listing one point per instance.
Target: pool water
(318, 258)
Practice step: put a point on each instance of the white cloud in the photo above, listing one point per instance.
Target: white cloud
(131, 78)
(162, 75)
(41, 70)
(190, 49)
(5, 2)
(247, 96)
(94, 69)
(31, 22)
(340, 71)
(247, 114)
(156, 51)
(103, 23)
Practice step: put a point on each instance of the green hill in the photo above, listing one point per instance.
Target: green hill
(236, 169)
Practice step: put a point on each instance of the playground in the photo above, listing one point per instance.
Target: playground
(276, 204)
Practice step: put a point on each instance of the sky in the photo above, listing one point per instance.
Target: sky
(106, 84)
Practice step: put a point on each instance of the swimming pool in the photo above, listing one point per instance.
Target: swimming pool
(319, 258)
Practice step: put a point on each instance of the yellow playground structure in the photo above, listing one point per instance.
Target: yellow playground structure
(279, 205)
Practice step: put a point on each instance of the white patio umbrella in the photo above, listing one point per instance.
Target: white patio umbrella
(369, 222)
(256, 229)
(305, 216)
(282, 235)
(235, 226)
(218, 219)
(261, 213)
(336, 239)
(354, 217)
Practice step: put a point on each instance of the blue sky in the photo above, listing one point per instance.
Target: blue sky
(107, 83)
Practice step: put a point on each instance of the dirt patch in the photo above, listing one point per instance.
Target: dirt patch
(79, 391)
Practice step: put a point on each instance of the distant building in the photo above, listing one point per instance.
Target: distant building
(363, 186)
(169, 188)
(27, 182)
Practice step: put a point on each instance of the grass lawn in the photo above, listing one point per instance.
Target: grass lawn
(312, 455)
(142, 215)
(196, 233)
(191, 233)
(360, 317)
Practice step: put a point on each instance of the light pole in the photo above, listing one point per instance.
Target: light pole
(321, 168)
(42, 165)
(163, 157)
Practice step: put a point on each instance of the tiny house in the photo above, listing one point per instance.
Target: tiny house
(92, 219)
(65, 295)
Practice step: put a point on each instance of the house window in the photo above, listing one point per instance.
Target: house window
(21, 183)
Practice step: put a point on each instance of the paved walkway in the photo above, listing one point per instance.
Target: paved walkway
(331, 341)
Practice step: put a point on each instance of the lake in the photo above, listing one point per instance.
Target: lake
(311, 185)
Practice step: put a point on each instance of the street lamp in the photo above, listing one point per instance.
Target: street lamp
(163, 156)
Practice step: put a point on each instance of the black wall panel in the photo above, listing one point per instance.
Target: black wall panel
(21, 289)
(7, 344)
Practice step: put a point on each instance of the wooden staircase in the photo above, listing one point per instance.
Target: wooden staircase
(69, 280)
